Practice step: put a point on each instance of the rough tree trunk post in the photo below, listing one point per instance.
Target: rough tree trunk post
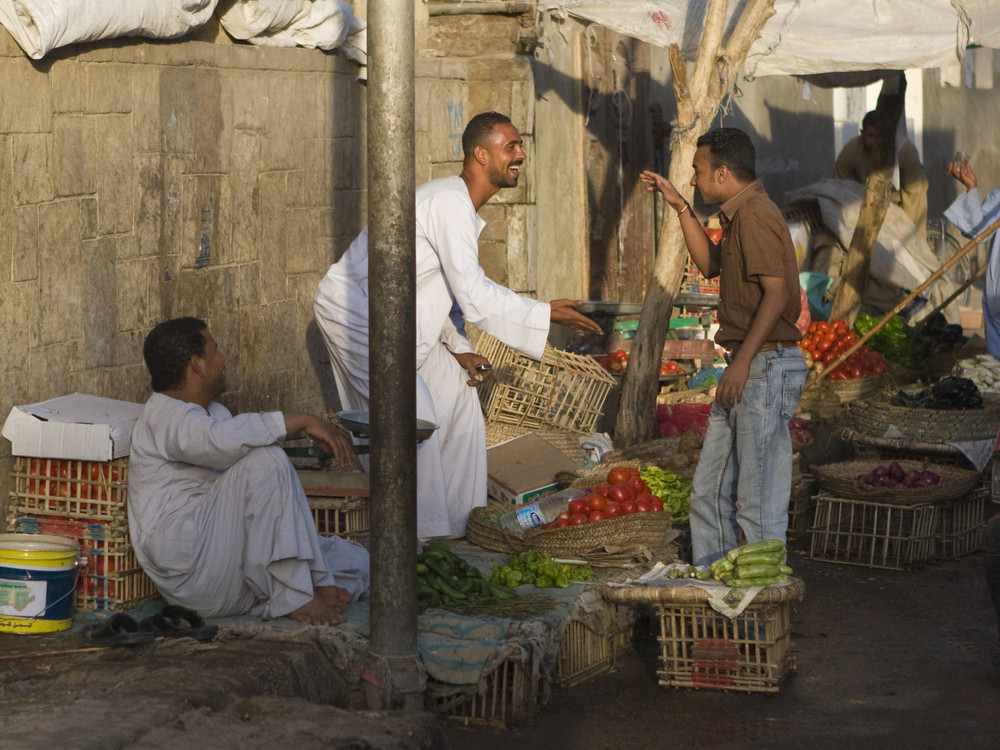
(697, 104)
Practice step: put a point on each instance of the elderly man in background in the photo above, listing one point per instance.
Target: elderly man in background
(217, 514)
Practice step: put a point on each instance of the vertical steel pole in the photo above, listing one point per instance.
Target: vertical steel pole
(392, 674)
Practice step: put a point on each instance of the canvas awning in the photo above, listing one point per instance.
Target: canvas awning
(813, 36)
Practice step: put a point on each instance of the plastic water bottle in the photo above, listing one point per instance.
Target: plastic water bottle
(538, 513)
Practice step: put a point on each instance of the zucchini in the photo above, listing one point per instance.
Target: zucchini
(757, 571)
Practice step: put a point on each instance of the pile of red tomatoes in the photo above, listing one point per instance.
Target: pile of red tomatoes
(825, 341)
(622, 494)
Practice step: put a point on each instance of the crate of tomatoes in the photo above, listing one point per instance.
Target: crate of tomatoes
(864, 370)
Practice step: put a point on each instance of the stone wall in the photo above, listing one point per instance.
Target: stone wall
(146, 180)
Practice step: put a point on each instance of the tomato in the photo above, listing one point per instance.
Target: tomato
(618, 475)
(824, 344)
(620, 493)
(612, 510)
(578, 505)
(596, 502)
(641, 506)
(638, 486)
(671, 367)
(577, 519)
(602, 490)
(816, 354)
(560, 522)
(656, 506)
(634, 472)
(629, 507)
(664, 370)
(595, 515)
(840, 326)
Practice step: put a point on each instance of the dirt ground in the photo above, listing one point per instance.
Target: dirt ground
(884, 659)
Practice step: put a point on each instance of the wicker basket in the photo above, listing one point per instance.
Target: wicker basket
(848, 391)
(933, 425)
(562, 390)
(841, 480)
(648, 529)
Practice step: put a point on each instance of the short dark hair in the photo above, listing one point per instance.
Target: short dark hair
(733, 149)
(168, 350)
(877, 118)
(479, 129)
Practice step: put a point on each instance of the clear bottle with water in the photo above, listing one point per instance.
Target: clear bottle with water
(540, 512)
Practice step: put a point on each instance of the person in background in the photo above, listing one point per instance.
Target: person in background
(909, 184)
(452, 289)
(972, 214)
(217, 514)
(742, 484)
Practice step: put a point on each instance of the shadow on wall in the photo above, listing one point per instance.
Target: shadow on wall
(320, 359)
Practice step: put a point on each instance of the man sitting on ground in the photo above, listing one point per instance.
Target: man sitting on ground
(218, 516)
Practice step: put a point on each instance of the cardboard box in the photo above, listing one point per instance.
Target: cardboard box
(523, 469)
(77, 426)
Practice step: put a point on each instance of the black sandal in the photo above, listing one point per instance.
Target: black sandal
(119, 630)
(174, 621)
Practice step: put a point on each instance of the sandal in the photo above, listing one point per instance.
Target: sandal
(119, 630)
(174, 621)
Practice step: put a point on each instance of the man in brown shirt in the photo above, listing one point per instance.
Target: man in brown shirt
(743, 480)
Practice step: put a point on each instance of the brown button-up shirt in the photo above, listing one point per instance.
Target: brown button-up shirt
(755, 242)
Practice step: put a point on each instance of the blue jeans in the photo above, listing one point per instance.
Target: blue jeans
(744, 476)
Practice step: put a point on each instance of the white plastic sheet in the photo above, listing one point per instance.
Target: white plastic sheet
(40, 26)
(813, 36)
(317, 24)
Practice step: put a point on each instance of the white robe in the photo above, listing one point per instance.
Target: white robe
(218, 517)
(451, 288)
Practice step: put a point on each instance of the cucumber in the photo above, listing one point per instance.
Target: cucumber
(768, 545)
(760, 558)
(757, 571)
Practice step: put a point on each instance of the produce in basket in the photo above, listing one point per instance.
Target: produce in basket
(948, 394)
(895, 340)
(623, 493)
(540, 569)
(757, 564)
(674, 492)
(896, 477)
(983, 370)
(824, 342)
(444, 578)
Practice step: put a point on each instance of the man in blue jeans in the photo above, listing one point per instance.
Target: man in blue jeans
(743, 480)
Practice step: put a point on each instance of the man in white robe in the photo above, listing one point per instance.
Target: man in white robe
(451, 288)
(218, 517)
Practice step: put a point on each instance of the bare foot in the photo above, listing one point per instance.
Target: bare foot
(335, 597)
(317, 612)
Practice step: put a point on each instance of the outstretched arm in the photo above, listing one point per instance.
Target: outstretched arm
(698, 244)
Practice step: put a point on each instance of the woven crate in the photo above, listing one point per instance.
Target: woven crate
(700, 648)
(87, 490)
(882, 449)
(509, 693)
(112, 578)
(873, 535)
(651, 530)
(584, 653)
(840, 479)
(873, 417)
(562, 390)
(961, 526)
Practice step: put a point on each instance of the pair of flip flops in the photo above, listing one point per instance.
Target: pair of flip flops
(173, 621)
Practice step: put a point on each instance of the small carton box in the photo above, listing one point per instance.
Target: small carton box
(77, 427)
(522, 469)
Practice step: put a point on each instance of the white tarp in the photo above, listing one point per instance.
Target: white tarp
(813, 36)
(40, 26)
(317, 24)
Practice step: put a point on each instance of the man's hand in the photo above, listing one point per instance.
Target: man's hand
(962, 171)
(730, 389)
(661, 183)
(470, 361)
(563, 311)
(328, 435)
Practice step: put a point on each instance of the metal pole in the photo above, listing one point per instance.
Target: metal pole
(392, 674)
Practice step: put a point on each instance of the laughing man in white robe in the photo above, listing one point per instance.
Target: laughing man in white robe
(217, 514)
(451, 288)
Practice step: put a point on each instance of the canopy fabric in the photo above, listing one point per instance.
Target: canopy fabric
(813, 36)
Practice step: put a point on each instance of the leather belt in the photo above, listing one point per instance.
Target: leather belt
(772, 346)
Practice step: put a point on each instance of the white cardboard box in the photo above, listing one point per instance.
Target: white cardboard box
(523, 469)
(76, 427)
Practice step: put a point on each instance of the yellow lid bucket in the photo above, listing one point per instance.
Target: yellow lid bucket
(38, 575)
